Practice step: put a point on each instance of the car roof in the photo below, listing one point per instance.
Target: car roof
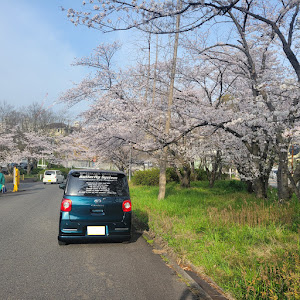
(96, 170)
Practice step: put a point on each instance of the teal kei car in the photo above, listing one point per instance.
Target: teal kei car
(95, 206)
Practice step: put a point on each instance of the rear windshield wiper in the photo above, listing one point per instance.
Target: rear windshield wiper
(75, 174)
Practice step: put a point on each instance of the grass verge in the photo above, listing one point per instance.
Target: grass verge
(248, 246)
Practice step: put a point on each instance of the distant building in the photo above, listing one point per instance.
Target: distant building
(58, 129)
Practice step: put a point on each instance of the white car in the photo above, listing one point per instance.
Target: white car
(53, 176)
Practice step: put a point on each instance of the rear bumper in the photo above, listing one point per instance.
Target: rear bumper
(49, 180)
(86, 239)
(77, 232)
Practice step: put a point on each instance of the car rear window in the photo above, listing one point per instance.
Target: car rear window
(49, 172)
(97, 184)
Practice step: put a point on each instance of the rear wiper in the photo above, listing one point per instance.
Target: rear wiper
(75, 174)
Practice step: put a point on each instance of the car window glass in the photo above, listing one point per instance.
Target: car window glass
(49, 172)
(97, 184)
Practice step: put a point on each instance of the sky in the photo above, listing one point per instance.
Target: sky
(38, 45)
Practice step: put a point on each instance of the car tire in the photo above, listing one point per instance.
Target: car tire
(44, 182)
(60, 243)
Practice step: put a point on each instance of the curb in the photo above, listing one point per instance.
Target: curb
(190, 282)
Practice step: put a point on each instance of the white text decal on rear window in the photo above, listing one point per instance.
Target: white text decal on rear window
(98, 177)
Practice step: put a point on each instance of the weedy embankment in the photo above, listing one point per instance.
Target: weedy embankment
(248, 246)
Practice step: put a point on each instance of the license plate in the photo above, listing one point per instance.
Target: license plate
(49, 180)
(96, 230)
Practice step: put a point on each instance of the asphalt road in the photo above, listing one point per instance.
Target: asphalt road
(34, 266)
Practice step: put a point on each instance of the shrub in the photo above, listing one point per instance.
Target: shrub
(23, 172)
(35, 171)
(236, 185)
(151, 177)
(147, 177)
(200, 174)
(172, 175)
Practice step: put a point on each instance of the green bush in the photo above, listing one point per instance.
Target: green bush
(172, 175)
(23, 172)
(151, 177)
(147, 177)
(237, 185)
(35, 171)
(200, 174)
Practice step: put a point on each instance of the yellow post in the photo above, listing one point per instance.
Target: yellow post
(16, 179)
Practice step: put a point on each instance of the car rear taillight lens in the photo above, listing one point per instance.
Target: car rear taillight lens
(66, 205)
(126, 206)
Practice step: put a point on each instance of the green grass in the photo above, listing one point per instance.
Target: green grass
(249, 246)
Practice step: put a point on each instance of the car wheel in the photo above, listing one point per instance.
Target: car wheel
(60, 243)
(44, 182)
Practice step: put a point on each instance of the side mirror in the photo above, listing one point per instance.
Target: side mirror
(62, 186)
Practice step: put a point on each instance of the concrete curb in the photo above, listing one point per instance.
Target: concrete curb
(194, 286)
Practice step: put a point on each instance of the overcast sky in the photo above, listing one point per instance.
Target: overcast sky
(38, 45)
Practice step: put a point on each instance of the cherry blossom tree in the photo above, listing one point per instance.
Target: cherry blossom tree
(36, 145)
(245, 67)
(251, 114)
(109, 15)
(8, 149)
(25, 133)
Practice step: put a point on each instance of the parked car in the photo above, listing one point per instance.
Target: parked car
(53, 176)
(95, 206)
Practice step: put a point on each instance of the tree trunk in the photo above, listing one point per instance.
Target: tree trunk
(193, 172)
(216, 169)
(250, 188)
(294, 187)
(28, 166)
(260, 187)
(162, 175)
(284, 192)
(185, 177)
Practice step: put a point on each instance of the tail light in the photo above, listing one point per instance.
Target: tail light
(66, 205)
(126, 206)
